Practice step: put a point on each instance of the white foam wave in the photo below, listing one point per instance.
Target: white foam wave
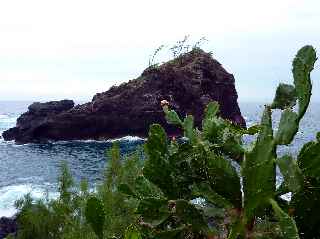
(126, 138)
(12, 143)
(122, 139)
(9, 194)
(61, 142)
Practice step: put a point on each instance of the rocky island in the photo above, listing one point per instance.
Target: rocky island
(187, 82)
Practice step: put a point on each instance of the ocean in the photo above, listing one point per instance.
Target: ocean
(34, 168)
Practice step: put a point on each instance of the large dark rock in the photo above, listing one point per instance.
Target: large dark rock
(7, 226)
(37, 115)
(188, 82)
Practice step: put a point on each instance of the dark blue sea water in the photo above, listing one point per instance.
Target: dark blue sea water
(33, 168)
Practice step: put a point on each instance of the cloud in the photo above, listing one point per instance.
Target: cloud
(92, 44)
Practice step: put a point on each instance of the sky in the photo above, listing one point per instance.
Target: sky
(52, 50)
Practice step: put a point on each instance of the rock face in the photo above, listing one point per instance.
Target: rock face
(7, 226)
(188, 82)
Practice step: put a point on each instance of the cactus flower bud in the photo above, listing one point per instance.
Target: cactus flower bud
(164, 103)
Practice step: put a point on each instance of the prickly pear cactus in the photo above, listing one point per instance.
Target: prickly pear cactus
(95, 215)
(202, 165)
(259, 170)
(303, 64)
(301, 178)
(305, 202)
(259, 166)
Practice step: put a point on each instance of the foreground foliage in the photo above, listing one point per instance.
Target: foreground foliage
(203, 166)
(205, 185)
(75, 213)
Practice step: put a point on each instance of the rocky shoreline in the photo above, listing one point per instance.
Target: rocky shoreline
(8, 225)
(188, 83)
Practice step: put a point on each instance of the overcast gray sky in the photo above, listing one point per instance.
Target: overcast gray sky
(73, 49)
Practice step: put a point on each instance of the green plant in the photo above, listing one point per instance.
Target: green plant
(301, 176)
(79, 213)
(119, 209)
(305, 189)
(95, 215)
(203, 167)
(152, 62)
(180, 47)
(177, 50)
(199, 43)
(56, 218)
